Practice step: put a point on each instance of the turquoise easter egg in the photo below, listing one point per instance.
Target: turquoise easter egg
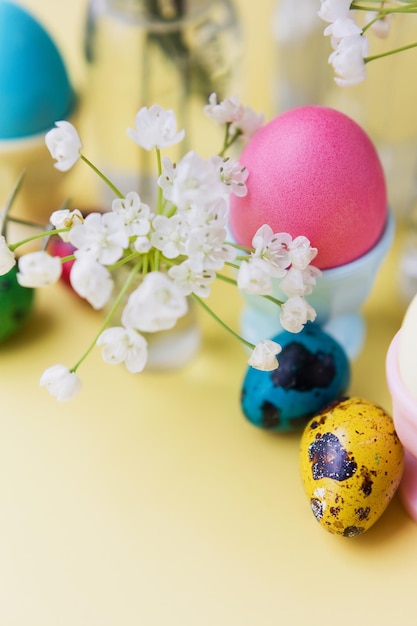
(35, 89)
(313, 372)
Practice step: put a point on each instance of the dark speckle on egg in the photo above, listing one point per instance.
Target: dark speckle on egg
(303, 370)
(329, 459)
(313, 373)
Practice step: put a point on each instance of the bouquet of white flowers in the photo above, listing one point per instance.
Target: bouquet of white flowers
(177, 248)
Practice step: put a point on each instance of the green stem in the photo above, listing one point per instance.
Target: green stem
(110, 314)
(220, 321)
(47, 233)
(394, 51)
(104, 178)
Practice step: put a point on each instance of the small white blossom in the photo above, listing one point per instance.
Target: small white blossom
(64, 144)
(39, 269)
(295, 313)
(340, 29)
(272, 249)
(189, 281)
(135, 214)
(254, 278)
(381, 26)
(7, 257)
(193, 181)
(101, 237)
(124, 345)
(169, 235)
(64, 218)
(232, 174)
(60, 382)
(348, 60)
(332, 10)
(248, 124)
(300, 252)
(207, 249)
(299, 282)
(155, 305)
(264, 357)
(224, 112)
(91, 281)
(155, 127)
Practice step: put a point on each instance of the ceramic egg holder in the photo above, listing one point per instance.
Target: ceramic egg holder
(337, 298)
(401, 368)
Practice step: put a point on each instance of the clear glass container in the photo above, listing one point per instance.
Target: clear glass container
(168, 52)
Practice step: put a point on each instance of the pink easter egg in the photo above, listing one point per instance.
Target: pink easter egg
(313, 171)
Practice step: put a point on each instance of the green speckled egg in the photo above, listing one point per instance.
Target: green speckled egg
(351, 465)
(15, 304)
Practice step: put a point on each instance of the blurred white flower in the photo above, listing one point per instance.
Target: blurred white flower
(64, 218)
(254, 278)
(248, 124)
(38, 269)
(124, 345)
(155, 305)
(91, 281)
(224, 112)
(332, 10)
(348, 60)
(64, 144)
(155, 127)
(190, 281)
(295, 313)
(264, 357)
(136, 214)
(101, 237)
(232, 174)
(7, 257)
(60, 382)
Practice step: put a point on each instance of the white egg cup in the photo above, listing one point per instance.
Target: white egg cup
(404, 413)
(337, 298)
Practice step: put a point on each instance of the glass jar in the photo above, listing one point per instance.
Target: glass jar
(174, 53)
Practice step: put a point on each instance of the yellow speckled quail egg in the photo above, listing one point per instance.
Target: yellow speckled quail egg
(351, 465)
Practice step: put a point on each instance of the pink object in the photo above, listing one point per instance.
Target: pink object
(313, 171)
(404, 409)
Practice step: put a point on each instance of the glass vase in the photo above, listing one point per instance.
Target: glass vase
(174, 53)
(169, 349)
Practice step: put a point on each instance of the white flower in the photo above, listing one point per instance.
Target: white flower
(64, 144)
(124, 345)
(232, 174)
(155, 127)
(248, 124)
(299, 282)
(332, 10)
(7, 257)
(102, 237)
(342, 28)
(193, 181)
(272, 249)
(155, 305)
(91, 281)
(348, 60)
(39, 269)
(263, 356)
(190, 281)
(300, 252)
(60, 382)
(381, 26)
(169, 235)
(224, 112)
(296, 312)
(254, 278)
(64, 218)
(206, 249)
(135, 214)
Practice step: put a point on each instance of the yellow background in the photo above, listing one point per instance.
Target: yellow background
(149, 500)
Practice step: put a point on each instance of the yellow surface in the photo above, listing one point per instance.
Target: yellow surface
(149, 500)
